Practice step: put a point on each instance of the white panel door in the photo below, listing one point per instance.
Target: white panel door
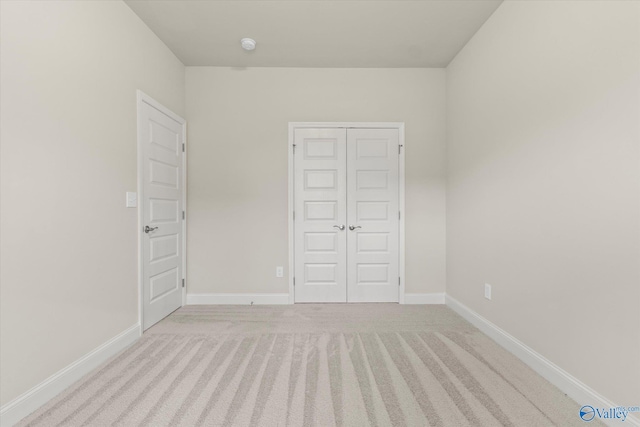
(161, 150)
(320, 215)
(373, 215)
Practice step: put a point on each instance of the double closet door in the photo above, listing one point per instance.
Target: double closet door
(346, 216)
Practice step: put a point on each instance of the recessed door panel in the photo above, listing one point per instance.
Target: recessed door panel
(372, 180)
(371, 211)
(163, 247)
(370, 243)
(371, 148)
(321, 243)
(319, 149)
(163, 284)
(164, 137)
(163, 174)
(320, 180)
(325, 274)
(321, 210)
(163, 210)
(368, 274)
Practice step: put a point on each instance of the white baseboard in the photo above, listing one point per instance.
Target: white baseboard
(237, 299)
(33, 399)
(570, 385)
(279, 299)
(434, 298)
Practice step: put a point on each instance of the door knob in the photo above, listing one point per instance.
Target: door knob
(339, 227)
(353, 227)
(147, 229)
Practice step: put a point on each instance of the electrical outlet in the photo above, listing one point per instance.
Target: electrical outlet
(279, 271)
(487, 291)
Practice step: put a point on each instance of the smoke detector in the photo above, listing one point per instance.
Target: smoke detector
(248, 44)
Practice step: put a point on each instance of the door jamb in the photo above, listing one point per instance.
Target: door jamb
(143, 98)
(401, 197)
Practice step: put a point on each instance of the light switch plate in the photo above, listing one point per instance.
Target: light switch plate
(132, 199)
(279, 271)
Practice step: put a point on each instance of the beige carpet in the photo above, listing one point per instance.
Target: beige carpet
(321, 365)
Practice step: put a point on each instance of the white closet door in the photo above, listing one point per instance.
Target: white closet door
(372, 212)
(320, 215)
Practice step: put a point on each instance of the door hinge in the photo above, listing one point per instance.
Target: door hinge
(398, 281)
(399, 148)
(183, 283)
(183, 147)
(183, 215)
(294, 281)
(294, 148)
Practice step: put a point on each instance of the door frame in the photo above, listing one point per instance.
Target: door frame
(401, 198)
(143, 98)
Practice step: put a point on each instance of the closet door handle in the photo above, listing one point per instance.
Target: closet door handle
(339, 227)
(353, 227)
(148, 229)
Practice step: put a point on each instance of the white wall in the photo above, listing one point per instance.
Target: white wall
(543, 195)
(69, 76)
(237, 183)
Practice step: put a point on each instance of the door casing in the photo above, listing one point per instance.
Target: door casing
(143, 98)
(401, 197)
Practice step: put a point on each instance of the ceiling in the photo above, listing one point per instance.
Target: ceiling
(320, 33)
